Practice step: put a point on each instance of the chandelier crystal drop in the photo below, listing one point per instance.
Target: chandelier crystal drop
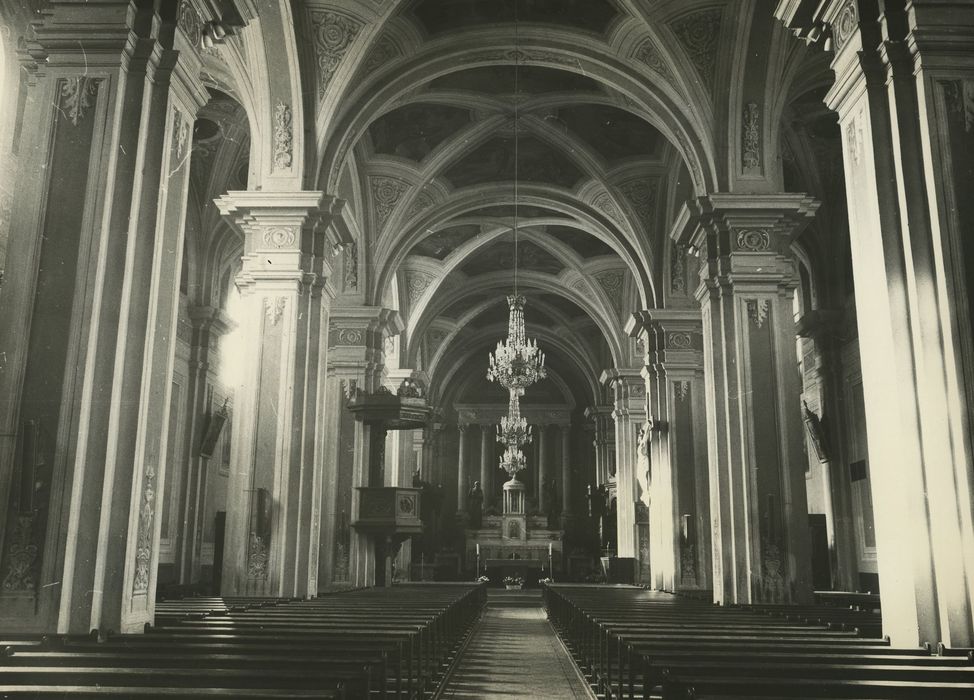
(514, 430)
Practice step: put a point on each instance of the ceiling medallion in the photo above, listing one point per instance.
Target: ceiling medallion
(517, 363)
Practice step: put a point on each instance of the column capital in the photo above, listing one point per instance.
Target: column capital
(673, 337)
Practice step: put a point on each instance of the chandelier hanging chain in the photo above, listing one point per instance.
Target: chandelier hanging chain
(517, 48)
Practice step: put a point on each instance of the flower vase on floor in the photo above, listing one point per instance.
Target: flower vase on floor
(513, 583)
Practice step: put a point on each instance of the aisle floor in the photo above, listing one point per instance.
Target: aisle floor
(515, 653)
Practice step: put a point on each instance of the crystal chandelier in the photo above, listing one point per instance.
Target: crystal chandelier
(517, 362)
(512, 461)
(514, 430)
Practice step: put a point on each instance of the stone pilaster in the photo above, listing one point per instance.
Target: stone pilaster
(87, 323)
(275, 481)
(209, 324)
(678, 498)
(903, 92)
(759, 512)
(356, 362)
(566, 471)
(604, 441)
(462, 475)
(629, 413)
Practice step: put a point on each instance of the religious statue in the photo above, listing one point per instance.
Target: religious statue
(596, 503)
(643, 467)
(609, 526)
(475, 506)
(552, 505)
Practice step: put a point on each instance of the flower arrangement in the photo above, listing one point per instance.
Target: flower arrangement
(513, 581)
(483, 579)
(546, 581)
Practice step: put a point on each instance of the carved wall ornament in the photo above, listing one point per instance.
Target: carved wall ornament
(757, 311)
(754, 240)
(642, 194)
(143, 549)
(679, 340)
(386, 193)
(383, 52)
(846, 23)
(21, 555)
(283, 136)
(76, 96)
(751, 144)
(699, 34)
(279, 237)
(603, 202)
(611, 283)
(333, 35)
(257, 557)
(180, 134)
(688, 564)
(351, 267)
(274, 308)
(416, 285)
(682, 390)
(188, 19)
(648, 54)
(959, 100)
(853, 139)
(678, 271)
(349, 336)
(422, 202)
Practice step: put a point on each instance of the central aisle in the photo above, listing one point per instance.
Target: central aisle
(514, 653)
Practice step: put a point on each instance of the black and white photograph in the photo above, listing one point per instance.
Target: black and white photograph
(485, 349)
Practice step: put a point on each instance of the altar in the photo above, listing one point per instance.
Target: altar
(533, 548)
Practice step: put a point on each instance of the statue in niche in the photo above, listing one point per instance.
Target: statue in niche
(552, 504)
(475, 506)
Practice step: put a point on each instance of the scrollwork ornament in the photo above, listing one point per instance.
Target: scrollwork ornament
(143, 550)
(76, 96)
(757, 311)
(274, 308)
(189, 21)
(279, 237)
(751, 145)
(754, 240)
(283, 136)
(333, 35)
(679, 340)
(846, 23)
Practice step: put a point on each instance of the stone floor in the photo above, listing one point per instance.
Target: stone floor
(515, 653)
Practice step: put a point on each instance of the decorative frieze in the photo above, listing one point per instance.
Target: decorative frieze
(333, 34)
(679, 340)
(143, 549)
(751, 141)
(283, 137)
(346, 336)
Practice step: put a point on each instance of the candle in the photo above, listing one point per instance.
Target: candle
(478, 549)
(549, 549)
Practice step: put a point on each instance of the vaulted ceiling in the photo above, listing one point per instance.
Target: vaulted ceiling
(418, 113)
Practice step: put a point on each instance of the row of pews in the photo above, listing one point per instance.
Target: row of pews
(356, 645)
(633, 643)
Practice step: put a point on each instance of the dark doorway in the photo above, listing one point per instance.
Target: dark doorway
(219, 528)
(821, 568)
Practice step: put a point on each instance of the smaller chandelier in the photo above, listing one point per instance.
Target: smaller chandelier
(514, 429)
(512, 461)
(517, 362)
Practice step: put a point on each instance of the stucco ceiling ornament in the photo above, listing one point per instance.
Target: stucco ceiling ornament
(386, 193)
(333, 35)
(648, 54)
(189, 21)
(699, 34)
